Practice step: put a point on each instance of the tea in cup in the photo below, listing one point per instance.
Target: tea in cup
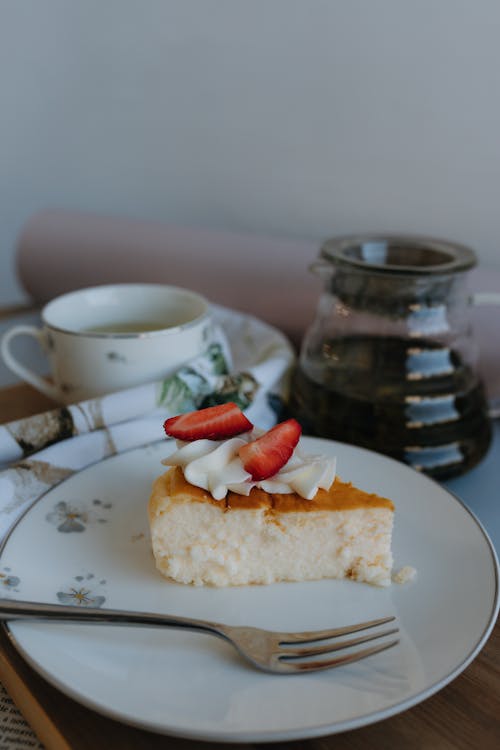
(111, 337)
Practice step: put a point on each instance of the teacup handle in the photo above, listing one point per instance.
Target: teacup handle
(21, 370)
(489, 298)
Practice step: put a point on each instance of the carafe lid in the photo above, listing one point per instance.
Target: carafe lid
(398, 254)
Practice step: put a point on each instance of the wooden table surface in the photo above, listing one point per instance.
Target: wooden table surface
(465, 714)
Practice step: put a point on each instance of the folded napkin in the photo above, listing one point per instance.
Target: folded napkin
(248, 363)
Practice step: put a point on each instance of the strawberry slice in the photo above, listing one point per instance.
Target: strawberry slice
(264, 457)
(213, 423)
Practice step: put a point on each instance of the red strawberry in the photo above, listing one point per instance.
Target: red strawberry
(264, 457)
(213, 423)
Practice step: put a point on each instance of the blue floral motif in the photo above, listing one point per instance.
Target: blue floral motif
(8, 581)
(69, 519)
(81, 596)
(66, 518)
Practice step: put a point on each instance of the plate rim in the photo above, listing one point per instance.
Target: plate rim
(255, 736)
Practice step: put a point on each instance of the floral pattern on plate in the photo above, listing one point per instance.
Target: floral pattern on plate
(83, 591)
(9, 583)
(70, 518)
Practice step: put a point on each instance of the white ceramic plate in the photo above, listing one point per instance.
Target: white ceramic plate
(87, 541)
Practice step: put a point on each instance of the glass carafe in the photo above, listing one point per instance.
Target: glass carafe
(389, 362)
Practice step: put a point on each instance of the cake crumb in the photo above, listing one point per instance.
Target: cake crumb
(404, 574)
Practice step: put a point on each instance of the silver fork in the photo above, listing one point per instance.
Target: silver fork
(279, 653)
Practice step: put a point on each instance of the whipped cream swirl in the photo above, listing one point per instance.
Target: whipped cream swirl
(215, 466)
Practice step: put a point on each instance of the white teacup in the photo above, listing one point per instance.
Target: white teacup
(111, 337)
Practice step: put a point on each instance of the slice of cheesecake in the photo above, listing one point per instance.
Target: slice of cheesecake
(343, 532)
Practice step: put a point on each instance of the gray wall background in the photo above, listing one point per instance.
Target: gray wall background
(298, 118)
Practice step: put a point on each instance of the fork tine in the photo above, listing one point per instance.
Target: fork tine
(322, 635)
(317, 666)
(299, 653)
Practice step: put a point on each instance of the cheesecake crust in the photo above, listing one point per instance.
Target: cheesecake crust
(340, 496)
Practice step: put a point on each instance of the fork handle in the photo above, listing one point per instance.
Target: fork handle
(13, 609)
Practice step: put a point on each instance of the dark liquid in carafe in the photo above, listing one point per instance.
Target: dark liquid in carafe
(416, 401)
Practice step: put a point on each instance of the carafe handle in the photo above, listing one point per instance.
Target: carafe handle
(480, 299)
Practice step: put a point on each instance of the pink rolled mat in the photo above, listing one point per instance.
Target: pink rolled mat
(59, 251)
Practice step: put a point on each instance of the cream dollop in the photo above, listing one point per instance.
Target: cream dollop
(215, 466)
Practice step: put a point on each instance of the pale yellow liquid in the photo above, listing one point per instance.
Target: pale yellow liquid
(129, 326)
